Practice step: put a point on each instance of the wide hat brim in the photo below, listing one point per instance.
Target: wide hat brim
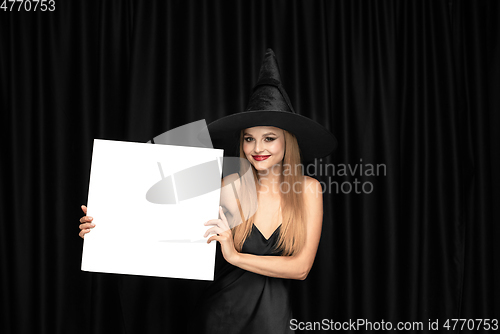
(314, 140)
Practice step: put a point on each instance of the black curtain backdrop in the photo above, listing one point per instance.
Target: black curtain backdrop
(410, 85)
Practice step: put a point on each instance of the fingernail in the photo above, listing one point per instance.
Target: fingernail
(93, 225)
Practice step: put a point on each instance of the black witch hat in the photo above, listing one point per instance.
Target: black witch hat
(270, 106)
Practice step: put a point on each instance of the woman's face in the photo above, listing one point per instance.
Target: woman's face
(264, 146)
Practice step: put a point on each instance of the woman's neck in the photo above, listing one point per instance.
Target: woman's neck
(269, 181)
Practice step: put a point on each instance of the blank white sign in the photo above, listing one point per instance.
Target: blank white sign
(138, 237)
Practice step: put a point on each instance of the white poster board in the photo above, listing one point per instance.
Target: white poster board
(134, 235)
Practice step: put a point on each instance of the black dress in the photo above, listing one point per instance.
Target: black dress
(240, 301)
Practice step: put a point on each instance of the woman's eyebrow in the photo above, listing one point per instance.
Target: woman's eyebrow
(265, 134)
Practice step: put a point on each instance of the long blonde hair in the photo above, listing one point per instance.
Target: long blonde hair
(292, 234)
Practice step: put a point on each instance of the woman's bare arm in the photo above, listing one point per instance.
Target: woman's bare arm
(295, 266)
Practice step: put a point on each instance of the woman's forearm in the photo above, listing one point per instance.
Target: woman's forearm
(274, 266)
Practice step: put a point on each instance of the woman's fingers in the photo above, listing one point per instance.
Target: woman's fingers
(83, 232)
(217, 222)
(86, 226)
(212, 238)
(216, 237)
(214, 230)
(85, 223)
(86, 219)
(219, 226)
(223, 218)
(213, 222)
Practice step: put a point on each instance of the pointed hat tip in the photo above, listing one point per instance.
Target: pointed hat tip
(268, 92)
(269, 73)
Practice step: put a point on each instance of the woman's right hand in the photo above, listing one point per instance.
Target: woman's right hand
(85, 223)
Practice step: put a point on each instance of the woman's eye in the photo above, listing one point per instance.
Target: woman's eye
(249, 139)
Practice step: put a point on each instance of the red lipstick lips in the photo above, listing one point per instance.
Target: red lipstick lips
(260, 157)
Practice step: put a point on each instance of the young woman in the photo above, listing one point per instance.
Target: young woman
(275, 239)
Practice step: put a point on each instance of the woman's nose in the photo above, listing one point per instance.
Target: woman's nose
(259, 147)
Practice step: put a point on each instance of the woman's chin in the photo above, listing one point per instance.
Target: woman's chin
(260, 167)
(263, 166)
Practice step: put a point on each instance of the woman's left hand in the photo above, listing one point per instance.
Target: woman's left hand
(223, 235)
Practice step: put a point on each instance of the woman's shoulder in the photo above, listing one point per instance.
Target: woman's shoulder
(228, 196)
(232, 178)
(312, 187)
(227, 189)
(311, 181)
